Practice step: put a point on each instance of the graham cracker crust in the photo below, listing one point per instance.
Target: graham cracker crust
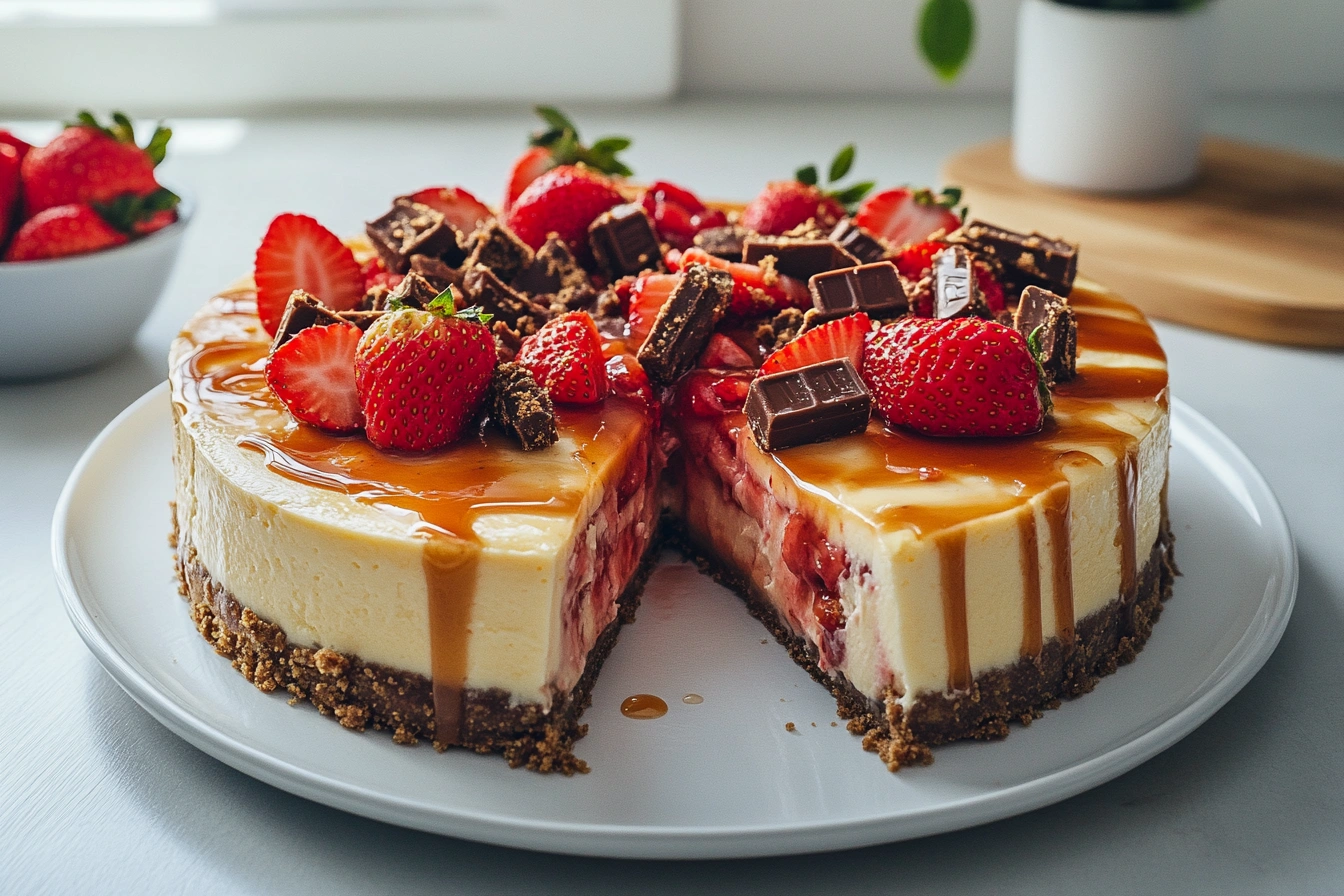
(1104, 641)
(363, 695)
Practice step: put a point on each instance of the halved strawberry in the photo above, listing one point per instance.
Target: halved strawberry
(916, 259)
(459, 208)
(755, 292)
(565, 358)
(722, 353)
(299, 253)
(678, 214)
(907, 215)
(842, 338)
(526, 168)
(314, 375)
(375, 273)
(647, 297)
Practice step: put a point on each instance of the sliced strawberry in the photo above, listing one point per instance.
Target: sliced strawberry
(722, 353)
(459, 208)
(60, 231)
(905, 215)
(842, 338)
(526, 168)
(314, 375)
(299, 253)
(375, 273)
(756, 292)
(916, 259)
(565, 358)
(627, 378)
(990, 287)
(647, 298)
(678, 214)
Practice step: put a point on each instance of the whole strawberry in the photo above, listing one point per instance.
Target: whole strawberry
(92, 164)
(60, 231)
(785, 204)
(559, 144)
(563, 201)
(10, 189)
(955, 377)
(565, 358)
(421, 375)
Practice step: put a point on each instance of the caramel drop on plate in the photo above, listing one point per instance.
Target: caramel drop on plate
(643, 706)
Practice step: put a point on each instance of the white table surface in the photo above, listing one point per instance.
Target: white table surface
(97, 797)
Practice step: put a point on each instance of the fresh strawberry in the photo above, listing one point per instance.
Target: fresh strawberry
(565, 358)
(20, 145)
(421, 375)
(678, 214)
(375, 273)
(756, 290)
(154, 221)
(564, 201)
(785, 204)
(957, 377)
(627, 378)
(314, 375)
(840, 338)
(60, 231)
(722, 353)
(558, 144)
(459, 208)
(647, 297)
(91, 164)
(907, 215)
(990, 288)
(299, 253)
(915, 260)
(10, 188)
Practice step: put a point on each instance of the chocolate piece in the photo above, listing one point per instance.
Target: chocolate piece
(522, 408)
(496, 247)
(439, 273)
(782, 329)
(407, 229)
(875, 289)
(1043, 311)
(811, 404)
(414, 291)
(956, 292)
(302, 311)
(551, 270)
(624, 241)
(361, 319)
(858, 242)
(724, 242)
(482, 287)
(685, 322)
(797, 258)
(507, 341)
(1027, 259)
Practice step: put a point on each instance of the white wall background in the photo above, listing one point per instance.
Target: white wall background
(867, 47)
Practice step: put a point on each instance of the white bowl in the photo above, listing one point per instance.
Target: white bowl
(65, 314)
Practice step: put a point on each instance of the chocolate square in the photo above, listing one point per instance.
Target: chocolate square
(797, 258)
(414, 291)
(482, 287)
(624, 241)
(522, 408)
(551, 269)
(1050, 317)
(810, 404)
(724, 242)
(1026, 259)
(956, 291)
(858, 242)
(496, 247)
(303, 310)
(685, 322)
(436, 271)
(875, 289)
(407, 229)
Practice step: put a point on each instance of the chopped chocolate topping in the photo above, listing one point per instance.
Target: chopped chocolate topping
(858, 242)
(522, 408)
(624, 241)
(1043, 311)
(685, 322)
(409, 228)
(875, 289)
(439, 273)
(361, 319)
(724, 242)
(782, 329)
(496, 247)
(302, 311)
(507, 341)
(572, 298)
(551, 270)
(482, 287)
(1027, 259)
(810, 404)
(414, 291)
(797, 258)
(956, 291)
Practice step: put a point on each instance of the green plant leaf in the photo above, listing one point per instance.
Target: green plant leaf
(443, 303)
(806, 175)
(946, 33)
(475, 312)
(850, 195)
(609, 146)
(840, 165)
(555, 119)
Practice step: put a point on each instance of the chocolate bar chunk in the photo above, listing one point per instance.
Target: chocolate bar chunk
(685, 322)
(439, 273)
(624, 241)
(956, 292)
(551, 269)
(407, 229)
(858, 242)
(361, 319)
(482, 287)
(797, 258)
(780, 330)
(875, 289)
(522, 408)
(1050, 317)
(1027, 259)
(724, 242)
(810, 404)
(414, 291)
(496, 247)
(303, 310)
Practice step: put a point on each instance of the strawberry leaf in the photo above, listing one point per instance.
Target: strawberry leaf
(128, 209)
(841, 164)
(444, 304)
(157, 147)
(562, 138)
(474, 313)
(1038, 356)
(851, 195)
(946, 32)
(609, 146)
(556, 119)
(806, 175)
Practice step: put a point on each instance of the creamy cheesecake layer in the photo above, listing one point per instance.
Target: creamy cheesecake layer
(479, 567)
(948, 557)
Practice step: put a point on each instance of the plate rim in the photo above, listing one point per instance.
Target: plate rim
(1242, 661)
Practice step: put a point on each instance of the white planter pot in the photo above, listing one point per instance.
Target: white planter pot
(1109, 101)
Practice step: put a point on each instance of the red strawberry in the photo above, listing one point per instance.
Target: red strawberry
(915, 262)
(20, 145)
(647, 298)
(755, 292)
(375, 273)
(299, 253)
(557, 145)
(526, 168)
(627, 378)
(565, 358)
(10, 188)
(87, 163)
(916, 259)
(990, 288)
(421, 375)
(905, 215)
(314, 375)
(841, 338)
(461, 209)
(956, 377)
(784, 204)
(564, 201)
(678, 214)
(154, 221)
(60, 231)
(722, 353)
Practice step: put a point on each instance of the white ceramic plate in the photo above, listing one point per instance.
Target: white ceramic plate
(716, 779)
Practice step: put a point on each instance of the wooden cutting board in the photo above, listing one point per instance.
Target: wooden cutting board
(1255, 247)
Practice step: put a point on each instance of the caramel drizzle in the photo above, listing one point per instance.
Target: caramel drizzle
(952, 557)
(1128, 486)
(1057, 507)
(1033, 635)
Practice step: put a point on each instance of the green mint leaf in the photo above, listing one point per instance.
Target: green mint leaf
(946, 33)
(850, 195)
(841, 164)
(950, 197)
(556, 119)
(807, 175)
